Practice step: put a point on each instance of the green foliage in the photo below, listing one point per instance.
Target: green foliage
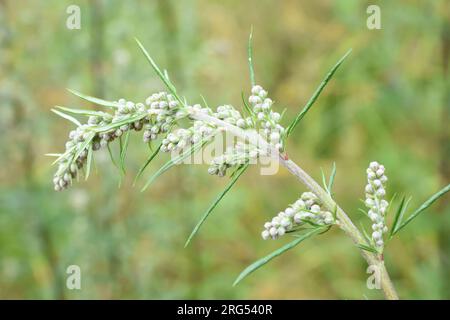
(163, 76)
(399, 216)
(259, 263)
(147, 162)
(367, 248)
(234, 178)
(96, 101)
(316, 94)
(174, 161)
(422, 208)
(250, 58)
(67, 117)
(89, 162)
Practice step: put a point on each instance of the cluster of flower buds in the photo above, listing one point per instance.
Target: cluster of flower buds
(307, 209)
(229, 114)
(266, 117)
(76, 153)
(167, 110)
(238, 154)
(182, 138)
(160, 114)
(375, 201)
(125, 110)
(68, 165)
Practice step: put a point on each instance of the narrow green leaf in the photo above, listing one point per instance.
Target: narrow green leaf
(367, 248)
(123, 150)
(85, 144)
(316, 94)
(94, 100)
(424, 206)
(63, 155)
(324, 183)
(173, 162)
(250, 58)
(239, 172)
(332, 176)
(364, 232)
(398, 217)
(111, 156)
(82, 112)
(89, 161)
(53, 154)
(166, 74)
(258, 264)
(158, 71)
(147, 162)
(335, 212)
(246, 106)
(204, 101)
(364, 212)
(388, 209)
(67, 117)
(115, 125)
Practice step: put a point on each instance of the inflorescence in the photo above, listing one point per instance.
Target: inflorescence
(306, 210)
(266, 117)
(160, 117)
(375, 201)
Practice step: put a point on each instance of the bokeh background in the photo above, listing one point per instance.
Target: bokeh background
(390, 102)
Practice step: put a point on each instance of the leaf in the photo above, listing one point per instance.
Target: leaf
(258, 264)
(364, 212)
(367, 248)
(53, 154)
(67, 117)
(158, 71)
(248, 110)
(94, 100)
(324, 183)
(111, 156)
(84, 145)
(388, 209)
(65, 154)
(125, 120)
(89, 161)
(398, 216)
(123, 150)
(424, 206)
(364, 232)
(246, 106)
(204, 101)
(250, 58)
(173, 162)
(239, 172)
(316, 94)
(147, 162)
(332, 176)
(83, 112)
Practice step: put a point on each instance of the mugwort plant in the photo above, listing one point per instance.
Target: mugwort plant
(171, 124)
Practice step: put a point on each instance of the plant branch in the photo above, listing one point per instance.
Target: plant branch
(344, 222)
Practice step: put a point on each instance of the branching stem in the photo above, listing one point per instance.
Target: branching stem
(344, 222)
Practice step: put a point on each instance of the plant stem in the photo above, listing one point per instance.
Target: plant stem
(344, 222)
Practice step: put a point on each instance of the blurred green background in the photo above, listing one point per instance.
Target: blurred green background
(389, 102)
